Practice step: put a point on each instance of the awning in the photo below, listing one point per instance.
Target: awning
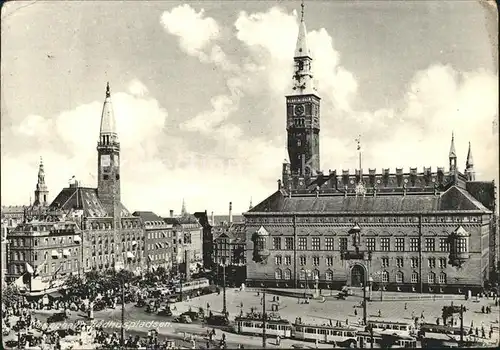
(150, 258)
(130, 255)
(55, 295)
(77, 239)
(66, 252)
(55, 253)
(134, 243)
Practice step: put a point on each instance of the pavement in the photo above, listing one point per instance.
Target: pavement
(317, 312)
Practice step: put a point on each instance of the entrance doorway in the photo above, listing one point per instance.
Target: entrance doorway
(357, 276)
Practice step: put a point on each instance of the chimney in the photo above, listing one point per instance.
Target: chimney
(212, 219)
(230, 213)
(171, 213)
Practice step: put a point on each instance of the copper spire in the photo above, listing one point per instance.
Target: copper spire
(453, 153)
(470, 161)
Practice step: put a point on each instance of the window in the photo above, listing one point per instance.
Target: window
(343, 243)
(276, 243)
(414, 244)
(461, 245)
(431, 278)
(400, 244)
(444, 246)
(289, 243)
(414, 263)
(385, 244)
(399, 277)
(302, 243)
(370, 244)
(442, 278)
(302, 275)
(36, 242)
(315, 274)
(414, 277)
(429, 244)
(288, 260)
(288, 274)
(385, 277)
(302, 260)
(329, 243)
(399, 262)
(278, 274)
(442, 263)
(385, 262)
(431, 263)
(329, 261)
(315, 243)
(329, 275)
(277, 260)
(315, 260)
(261, 243)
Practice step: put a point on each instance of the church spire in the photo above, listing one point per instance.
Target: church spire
(41, 191)
(469, 166)
(183, 209)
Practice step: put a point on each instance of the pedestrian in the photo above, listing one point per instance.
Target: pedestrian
(482, 309)
(406, 306)
(316, 343)
(355, 312)
(278, 340)
(379, 313)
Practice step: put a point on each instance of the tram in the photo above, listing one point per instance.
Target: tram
(390, 327)
(385, 341)
(192, 287)
(342, 336)
(254, 326)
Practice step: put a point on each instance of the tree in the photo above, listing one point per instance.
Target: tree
(10, 294)
(75, 285)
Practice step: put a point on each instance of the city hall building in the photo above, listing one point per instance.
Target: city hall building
(421, 231)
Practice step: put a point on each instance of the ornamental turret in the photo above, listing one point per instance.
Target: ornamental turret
(261, 244)
(459, 247)
(469, 166)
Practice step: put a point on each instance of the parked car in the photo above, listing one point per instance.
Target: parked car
(193, 315)
(165, 311)
(183, 319)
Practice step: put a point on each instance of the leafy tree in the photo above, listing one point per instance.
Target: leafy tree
(10, 294)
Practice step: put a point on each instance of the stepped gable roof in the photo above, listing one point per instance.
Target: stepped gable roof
(147, 216)
(235, 232)
(83, 198)
(454, 198)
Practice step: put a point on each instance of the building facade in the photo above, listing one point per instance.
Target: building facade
(424, 231)
(159, 240)
(229, 248)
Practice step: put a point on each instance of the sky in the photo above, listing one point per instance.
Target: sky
(198, 91)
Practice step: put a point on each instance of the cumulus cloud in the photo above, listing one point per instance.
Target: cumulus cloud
(137, 88)
(194, 30)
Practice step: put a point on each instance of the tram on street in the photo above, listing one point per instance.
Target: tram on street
(193, 287)
(439, 336)
(342, 336)
(385, 341)
(254, 326)
(390, 327)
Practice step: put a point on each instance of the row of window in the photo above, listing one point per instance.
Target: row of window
(159, 234)
(384, 244)
(68, 265)
(25, 242)
(315, 275)
(431, 262)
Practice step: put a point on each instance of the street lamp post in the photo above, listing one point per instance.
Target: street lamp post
(370, 285)
(224, 306)
(264, 317)
(122, 286)
(307, 273)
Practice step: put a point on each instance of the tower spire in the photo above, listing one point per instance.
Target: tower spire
(41, 191)
(470, 160)
(469, 166)
(453, 154)
(108, 93)
(183, 209)
(302, 11)
(108, 122)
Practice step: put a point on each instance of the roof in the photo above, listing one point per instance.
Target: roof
(236, 232)
(483, 191)
(301, 48)
(452, 199)
(219, 219)
(12, 209)
(108, 122)
(85, 199)
(147, 216)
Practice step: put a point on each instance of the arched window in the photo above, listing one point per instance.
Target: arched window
(442, 278)
(329, 275)
(385, 276)
(302, 274)
(414, 277)
(316, 274)
(399, 277)
(431, 278)
(288, 274)
(278, 274)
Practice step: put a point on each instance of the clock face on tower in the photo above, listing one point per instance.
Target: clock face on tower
(105, 160)
(299, 109)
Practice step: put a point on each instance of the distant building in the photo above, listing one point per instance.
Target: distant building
(158, 242)
(230, 250)
(410, 231)
(207, 239)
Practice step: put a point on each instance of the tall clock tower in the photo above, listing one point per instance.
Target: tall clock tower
(108, 161)
(303, 111)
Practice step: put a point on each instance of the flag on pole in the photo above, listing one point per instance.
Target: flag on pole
(29, 269)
